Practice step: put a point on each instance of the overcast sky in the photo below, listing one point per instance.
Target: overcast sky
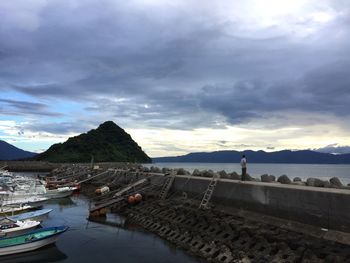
(179, 76)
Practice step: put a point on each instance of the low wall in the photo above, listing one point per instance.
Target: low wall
(28, 166)
(326, 208)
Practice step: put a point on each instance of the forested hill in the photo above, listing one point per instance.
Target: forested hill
(107, 143)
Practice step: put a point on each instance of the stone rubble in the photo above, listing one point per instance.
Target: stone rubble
(220, 237)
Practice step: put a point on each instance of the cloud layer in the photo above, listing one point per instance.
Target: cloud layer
(66, 66)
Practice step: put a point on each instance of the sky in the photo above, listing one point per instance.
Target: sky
(178, 76)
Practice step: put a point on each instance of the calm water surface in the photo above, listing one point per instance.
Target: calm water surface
(322, 171)
(93, 242)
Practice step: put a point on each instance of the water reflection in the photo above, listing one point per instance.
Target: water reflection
(110, 240)
(62, 203)
(46, 254)
(107, 222)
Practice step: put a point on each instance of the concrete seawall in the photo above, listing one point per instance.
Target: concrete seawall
(28, 166)
(326, 208)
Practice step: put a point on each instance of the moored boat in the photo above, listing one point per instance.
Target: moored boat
(38, 215)
(49, 253)
(30, 241)
(34, 201)
(12, 228)
(36, 196)
(14, 210)
(60, 192)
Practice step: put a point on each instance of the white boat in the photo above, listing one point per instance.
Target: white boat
(14, 228)
(39, 192)
(30, 241)
(60, 192)
(46, 254)
(38, 215)
(13, 210)
(34, 201)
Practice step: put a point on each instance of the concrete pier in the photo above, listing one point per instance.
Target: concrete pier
(242, 221)
(324, 207)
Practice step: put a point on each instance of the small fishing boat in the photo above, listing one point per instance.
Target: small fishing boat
(14, 210)
(60, 192)
(34, 201)
(46, 254)
(9, 197)
(30, 241)
(38, 215)
(49, 253)
(14, 228)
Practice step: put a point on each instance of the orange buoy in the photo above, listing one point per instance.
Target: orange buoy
(77, 187)
(138, 198)
(131, 200)
(94, 214)
(102, 211)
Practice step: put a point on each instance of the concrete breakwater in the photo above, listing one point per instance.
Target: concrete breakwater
(28, 166)
(245, 221)
(218, 236)
(326, 208)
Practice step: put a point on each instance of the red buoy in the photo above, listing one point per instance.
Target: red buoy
(131, 200)
(138, 198)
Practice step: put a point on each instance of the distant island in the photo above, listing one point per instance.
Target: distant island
(110, 143)
(107, 143)
(10, 152)
(285, 156)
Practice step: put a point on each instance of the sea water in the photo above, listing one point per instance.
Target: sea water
(87, 241)
(304, 171)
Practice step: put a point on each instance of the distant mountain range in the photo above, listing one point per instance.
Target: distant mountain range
(10, 152)
(107, 143)
(285, 156)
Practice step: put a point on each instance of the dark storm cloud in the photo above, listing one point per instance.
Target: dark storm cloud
(192, 68)
(324, 90)
(16, 107)
(59, 127)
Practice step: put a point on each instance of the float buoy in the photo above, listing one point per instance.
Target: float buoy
(77, 187)
(138, 198)
(102, 211)
(104, 189)
(131, 200)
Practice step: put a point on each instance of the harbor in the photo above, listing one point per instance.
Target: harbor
(203, 216)
(88, 241)
(175, 131)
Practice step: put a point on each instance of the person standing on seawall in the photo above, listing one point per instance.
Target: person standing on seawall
(244, 167)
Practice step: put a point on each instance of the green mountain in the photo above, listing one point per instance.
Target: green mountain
(107, 143)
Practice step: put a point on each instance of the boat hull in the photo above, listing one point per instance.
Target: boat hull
(30, 241)
(18, 232)
(39, 215)
(28, 246)
(34, 204)
(14, 211)
(59, 194)
(49, 253)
